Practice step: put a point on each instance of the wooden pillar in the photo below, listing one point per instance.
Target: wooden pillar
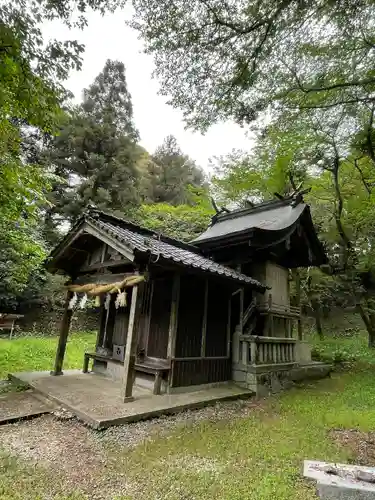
(173, 317)
(297, 279)
(64, 332)
(204, 323)
(229, 340)
(253, 353)
(241, 309)
(131, 342)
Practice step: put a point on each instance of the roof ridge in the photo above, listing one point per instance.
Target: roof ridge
(149, 232)
(263, 206)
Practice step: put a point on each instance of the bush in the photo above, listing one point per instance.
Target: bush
(337, 356)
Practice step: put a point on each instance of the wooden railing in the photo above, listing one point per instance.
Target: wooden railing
(285, 310)
(255, 350)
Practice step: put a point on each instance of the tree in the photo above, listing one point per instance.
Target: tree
(237, 58)
(95, 151)
(183, 222)
(316, 148)
(31, 94)
(171, 172)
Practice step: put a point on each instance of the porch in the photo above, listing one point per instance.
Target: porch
(98, 400)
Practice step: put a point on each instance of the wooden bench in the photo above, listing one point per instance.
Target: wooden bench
(97, 356)
(152, 366)
(7, 322)
(156, 367)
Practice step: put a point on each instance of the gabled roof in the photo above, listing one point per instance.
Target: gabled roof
(139, 240)
(269, 216)
(283, 227)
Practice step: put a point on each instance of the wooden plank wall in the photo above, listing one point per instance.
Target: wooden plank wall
(160, 317)
(201, 336)
(121, 326)
(145, 317)
(217, 320)
(200, 371)
(190, 317)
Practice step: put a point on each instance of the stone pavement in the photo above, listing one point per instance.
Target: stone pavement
(16, 406)
(97, 400)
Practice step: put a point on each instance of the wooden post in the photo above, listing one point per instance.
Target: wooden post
(254, 353)
(229, 340)
(241, 310)
(11, 330)
(297, 280)
(64, 332)
(270, 329)
(131, 343)
(204, 324)
(245, 352)
(173, 317)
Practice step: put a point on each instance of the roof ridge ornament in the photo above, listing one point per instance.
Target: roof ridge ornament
(218, 210)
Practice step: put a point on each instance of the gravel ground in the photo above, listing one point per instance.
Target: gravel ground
(361, 443)
(133, 434)
(86, 460)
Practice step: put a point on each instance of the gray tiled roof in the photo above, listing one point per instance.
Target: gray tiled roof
(143, 240)
(275, 216)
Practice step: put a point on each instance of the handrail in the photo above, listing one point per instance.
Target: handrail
(249, 311)
(254, 350)
(279, 308)
(271, 340)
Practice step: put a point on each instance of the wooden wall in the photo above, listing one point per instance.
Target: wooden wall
(120, 327)
(190, 316)
(200, 371)
(202, 352)
(217, 320)
(160, 316)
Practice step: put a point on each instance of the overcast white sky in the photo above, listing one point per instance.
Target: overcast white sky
(109, 38)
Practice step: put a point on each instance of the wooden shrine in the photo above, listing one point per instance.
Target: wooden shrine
(175, 315)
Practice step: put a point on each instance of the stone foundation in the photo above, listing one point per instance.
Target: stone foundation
(266, 379)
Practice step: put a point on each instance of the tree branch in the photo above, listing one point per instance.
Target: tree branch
(348, 247)
(335, 104)
(228, 24)
(365, 183)
(370, 147)
(334, 86)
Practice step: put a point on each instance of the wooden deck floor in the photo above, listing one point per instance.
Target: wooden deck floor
(96, 399)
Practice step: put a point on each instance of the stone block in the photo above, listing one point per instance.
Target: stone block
(303, 352)
(239, 376)
(341, 481)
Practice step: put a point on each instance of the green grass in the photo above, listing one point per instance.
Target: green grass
(19, 481)
(38, 353)
(355, 347)
(257, 457)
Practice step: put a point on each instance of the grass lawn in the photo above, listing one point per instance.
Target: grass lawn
(254, 454)
(38, 353)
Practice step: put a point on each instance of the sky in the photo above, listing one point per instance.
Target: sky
(107, 37)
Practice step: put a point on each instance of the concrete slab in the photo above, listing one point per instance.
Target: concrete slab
(16, 406)
(341, 481)
(97, 401)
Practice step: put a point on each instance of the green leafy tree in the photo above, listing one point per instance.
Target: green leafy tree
(183, 222)
(170, 173)
(238, 58)
(95, 151)
(31, 94)
(318, 151)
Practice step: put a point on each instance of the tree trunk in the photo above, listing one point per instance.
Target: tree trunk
(318, 319)
(368, 324)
